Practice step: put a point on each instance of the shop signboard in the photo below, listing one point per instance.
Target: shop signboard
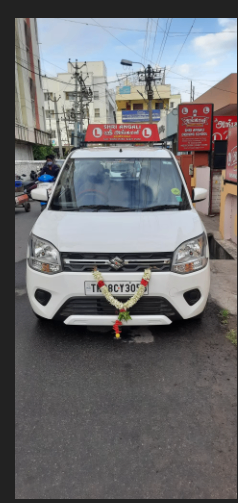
(139, 115)
(221, 124)
(125, 90)
(195, 127)
(231, 157)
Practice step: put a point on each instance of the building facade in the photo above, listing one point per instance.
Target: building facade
(132, 103)
(30, 124)
(101, 110)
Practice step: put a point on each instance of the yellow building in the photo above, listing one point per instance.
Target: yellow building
(228, 213)
(132, 103)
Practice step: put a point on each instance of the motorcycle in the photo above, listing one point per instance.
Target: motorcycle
(28, 184)
(46, 181)
(21, 199)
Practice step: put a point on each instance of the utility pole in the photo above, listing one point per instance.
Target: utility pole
(57, 125)
(66, 127)
(49, 114)
(149, 75)
(76, 105)
(83, 93)
(81, 103)
(149, 92)
(191, 91)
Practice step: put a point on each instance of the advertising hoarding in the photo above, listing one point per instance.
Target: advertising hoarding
(194, 127)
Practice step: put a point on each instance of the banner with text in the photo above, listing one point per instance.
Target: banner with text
(194, 127)
(122, 133)
(139, 115)
(231, 158)
(221, 124)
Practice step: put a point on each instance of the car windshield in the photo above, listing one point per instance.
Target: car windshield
(120, 185)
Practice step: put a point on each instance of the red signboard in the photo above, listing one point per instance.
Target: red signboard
(231, 157)
(122, 133)
(221, 123)
(194, 127)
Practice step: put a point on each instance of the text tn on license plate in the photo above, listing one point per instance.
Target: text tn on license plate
(114, 287)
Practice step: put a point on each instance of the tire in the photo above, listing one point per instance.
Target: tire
(27, 207)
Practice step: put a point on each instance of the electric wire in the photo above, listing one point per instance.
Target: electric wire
(180, 50)
(154, 37)
(165, 41)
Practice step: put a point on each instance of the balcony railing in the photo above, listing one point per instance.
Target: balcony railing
(41, 137)
(23, 133)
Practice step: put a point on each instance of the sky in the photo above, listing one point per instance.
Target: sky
(201, 50)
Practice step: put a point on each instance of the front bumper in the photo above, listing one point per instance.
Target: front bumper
(168, 285)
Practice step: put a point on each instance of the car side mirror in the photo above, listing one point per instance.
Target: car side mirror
(199, 195)
(39, 194)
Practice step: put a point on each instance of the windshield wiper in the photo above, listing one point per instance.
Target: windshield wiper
(104, 207)
(162, 207)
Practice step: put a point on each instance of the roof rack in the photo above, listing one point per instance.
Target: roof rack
(85, 144)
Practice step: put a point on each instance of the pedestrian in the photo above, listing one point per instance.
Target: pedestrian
(50, 168)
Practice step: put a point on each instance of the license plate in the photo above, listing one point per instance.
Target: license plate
(115, 288)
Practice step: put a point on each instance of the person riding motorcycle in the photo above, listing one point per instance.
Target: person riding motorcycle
(50, 168)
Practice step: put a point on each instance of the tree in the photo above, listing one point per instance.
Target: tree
(41, 151)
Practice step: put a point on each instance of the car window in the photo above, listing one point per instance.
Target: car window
(133, 184)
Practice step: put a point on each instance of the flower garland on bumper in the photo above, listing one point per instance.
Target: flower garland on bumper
(124, 314)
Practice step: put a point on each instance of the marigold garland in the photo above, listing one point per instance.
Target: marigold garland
(123, 307)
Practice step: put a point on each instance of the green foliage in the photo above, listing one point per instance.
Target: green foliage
(232, 336)
(41, 151)
(124, 315)
(224, 314)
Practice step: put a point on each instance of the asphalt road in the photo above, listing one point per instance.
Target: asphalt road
(152, 416)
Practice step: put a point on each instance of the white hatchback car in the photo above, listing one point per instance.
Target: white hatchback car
(120, 210)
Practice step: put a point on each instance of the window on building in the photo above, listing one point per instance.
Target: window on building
(48, 96)
(36, 31)
(159, 105)
(96, 95)
(32, 95)
(27, 41)
(52, 133)
(97, 112)
(138, 106)
(171, 104)
(39, 71)
(69, 96)
(43, 115)
(49, 114)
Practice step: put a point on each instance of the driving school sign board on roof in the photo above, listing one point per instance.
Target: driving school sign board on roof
(195, 127)
(122, 133)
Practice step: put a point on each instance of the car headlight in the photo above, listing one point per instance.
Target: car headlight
(191, 255)
(43, 256)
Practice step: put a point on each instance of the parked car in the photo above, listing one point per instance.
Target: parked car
(119, 222)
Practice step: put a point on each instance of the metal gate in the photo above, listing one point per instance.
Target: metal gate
(215, 199)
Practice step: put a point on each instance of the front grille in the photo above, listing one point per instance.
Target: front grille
(100, 306)
(122, 262)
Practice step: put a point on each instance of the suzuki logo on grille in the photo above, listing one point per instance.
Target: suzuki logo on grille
(117, 262)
